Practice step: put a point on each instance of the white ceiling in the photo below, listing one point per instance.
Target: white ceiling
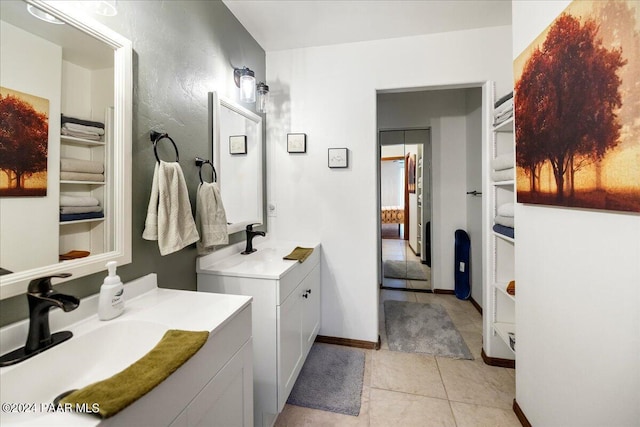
(288, 24)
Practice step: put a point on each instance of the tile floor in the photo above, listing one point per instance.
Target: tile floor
(399, 250)
(409, 389)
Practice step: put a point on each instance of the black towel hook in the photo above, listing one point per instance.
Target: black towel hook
(156, 137)
(201, 162)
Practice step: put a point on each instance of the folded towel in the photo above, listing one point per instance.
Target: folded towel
(502, 162)
(75, 254)
(83, 128)
(68, 164)
(299, 254)
(503, 108)
(169, 219)
(78, 201)
(79, 216)
(81, 176)
(69, 119)
(507, 221)
(121, 390)
(84, 135)
(503, 175)
(79, 209)
(507, 231)
(211, 218)
(506, 210)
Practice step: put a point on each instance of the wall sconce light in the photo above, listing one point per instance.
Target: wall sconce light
(245, 79)
(263, 97)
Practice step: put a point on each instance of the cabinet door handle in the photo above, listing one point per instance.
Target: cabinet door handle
(305, 295)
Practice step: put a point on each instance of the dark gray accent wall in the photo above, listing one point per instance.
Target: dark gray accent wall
(182, 51)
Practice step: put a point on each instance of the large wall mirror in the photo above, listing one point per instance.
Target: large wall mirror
(65, 144)
(237, 156)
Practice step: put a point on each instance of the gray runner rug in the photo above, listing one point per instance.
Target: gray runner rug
(331, 379)
(411, 270)
(414, 327)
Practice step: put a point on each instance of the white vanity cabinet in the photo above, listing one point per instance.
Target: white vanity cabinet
(286, 315)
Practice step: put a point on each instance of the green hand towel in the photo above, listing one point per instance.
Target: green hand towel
(121, 390)
(299, 254)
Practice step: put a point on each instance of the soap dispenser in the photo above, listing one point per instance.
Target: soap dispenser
(111, 301)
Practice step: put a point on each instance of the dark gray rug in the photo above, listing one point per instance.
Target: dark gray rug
(411, 270)
(414, 327)
(330, 380)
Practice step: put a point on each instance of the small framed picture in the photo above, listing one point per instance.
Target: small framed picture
(238, 144)
(296, 142)
(338, 157)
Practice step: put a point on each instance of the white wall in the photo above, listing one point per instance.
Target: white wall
(29, 225)
(392, 183)
(329, 93)
(578, 303)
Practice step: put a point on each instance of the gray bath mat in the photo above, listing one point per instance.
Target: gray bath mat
(330, 380)
(411, 270)
(414, 327)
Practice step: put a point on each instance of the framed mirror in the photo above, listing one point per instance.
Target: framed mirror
(74, 69)
(236, 135)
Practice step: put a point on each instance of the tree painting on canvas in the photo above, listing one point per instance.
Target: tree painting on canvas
(577, 109)
(24, 140)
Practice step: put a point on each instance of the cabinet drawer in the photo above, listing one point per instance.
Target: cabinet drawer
(289, 281)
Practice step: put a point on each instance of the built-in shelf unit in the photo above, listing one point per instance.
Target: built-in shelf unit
(499, 326)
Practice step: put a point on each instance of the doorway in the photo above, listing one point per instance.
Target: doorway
(405, 209)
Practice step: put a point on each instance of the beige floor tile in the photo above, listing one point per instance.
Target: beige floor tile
(407, 372)
(388, 408)
(368, 365)
(473, 339)
(386, 294)
(475, 382)
(468, 415)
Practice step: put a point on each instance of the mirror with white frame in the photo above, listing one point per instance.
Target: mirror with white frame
(79, 68)
(237, 157)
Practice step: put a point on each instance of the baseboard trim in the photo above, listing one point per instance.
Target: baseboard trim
(520, 414)
(476, 305)
(349, 342)
(496, 361)
(444, 291)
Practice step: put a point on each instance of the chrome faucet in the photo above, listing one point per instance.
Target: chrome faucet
(250, 235)
(41, 298)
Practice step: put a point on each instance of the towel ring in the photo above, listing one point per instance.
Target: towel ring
(156, 137)
(201, 162)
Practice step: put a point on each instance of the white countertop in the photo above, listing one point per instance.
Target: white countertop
(265, 263)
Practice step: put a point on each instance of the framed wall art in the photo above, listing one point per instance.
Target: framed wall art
(238, 144)
(296, 143)
(338, 157)
(24, 144)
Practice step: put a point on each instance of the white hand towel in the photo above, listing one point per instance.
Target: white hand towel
(507, 221)
(211, 218)
(68, 164)
(169, 219)
(506, 210)
(503, 175)
(78, 200)
(503, 161)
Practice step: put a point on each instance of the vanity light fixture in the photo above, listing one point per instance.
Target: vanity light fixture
(42, 15)
(245, 79)
(262, 97)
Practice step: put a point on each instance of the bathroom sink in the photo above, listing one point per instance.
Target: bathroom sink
(265, 263)
(86, 358)
(99, 349)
